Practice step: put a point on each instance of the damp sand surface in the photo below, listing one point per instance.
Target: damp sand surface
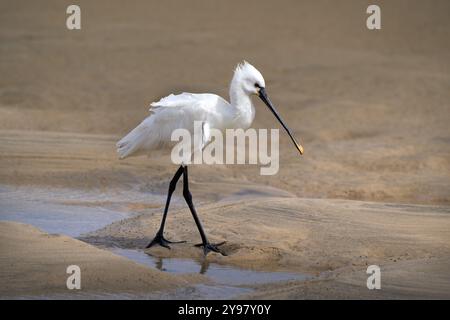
(313, 255)
(65, 212)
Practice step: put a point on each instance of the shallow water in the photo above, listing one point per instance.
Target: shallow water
(66, 211)
(220, 274)
(74, 212)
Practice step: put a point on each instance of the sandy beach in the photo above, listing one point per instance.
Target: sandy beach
(370, 107)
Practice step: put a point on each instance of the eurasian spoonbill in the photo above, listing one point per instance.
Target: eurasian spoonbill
(180, 111)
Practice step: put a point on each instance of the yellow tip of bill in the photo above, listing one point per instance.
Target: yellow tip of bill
(300, 149)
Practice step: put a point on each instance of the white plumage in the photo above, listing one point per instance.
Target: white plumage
(181, 110)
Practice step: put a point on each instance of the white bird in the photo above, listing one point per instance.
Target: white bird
(181, 111)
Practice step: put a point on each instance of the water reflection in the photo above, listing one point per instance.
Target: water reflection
(159, 264)
(221, 274)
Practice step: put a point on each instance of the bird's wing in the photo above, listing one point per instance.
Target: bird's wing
(188, 100)
(181, 110)
(169, 113)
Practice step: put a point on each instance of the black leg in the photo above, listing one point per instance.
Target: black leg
(159, 238)
(207, 247)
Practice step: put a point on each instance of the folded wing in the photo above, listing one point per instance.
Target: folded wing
(169, 113)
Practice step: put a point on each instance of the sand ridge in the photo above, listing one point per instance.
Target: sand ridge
(34, 263)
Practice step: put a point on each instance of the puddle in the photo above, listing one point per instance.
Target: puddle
(74, 212)
(67, 211)
(220, 274)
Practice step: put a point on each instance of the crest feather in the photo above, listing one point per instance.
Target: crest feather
(243, 66)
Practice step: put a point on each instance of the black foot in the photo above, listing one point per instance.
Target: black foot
(163, 242)
(208, 247)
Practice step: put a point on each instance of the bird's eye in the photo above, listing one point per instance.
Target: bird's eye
(257, 85)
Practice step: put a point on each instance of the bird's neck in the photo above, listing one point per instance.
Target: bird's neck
(242, 106)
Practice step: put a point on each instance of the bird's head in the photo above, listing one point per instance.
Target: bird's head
(252, 82)
(249, 78)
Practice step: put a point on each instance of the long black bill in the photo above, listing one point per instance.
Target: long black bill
(265, 98)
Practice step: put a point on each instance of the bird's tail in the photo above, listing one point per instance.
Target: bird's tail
(133, 141)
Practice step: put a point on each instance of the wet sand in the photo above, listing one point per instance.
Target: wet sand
(371, 109)
(266, 229)
(34, 263)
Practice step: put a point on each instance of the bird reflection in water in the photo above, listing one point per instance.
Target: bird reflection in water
(204, 265)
